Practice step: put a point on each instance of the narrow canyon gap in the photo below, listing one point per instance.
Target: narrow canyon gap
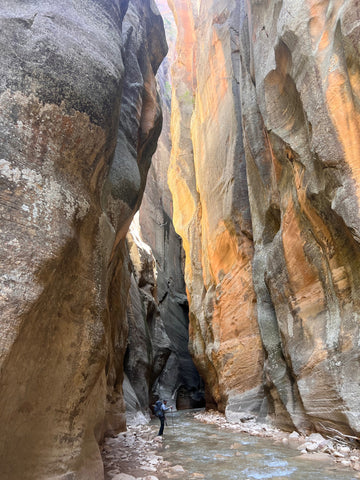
(158, 305)
(263, 175)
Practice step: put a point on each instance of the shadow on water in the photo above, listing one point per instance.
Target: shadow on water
(212, 453)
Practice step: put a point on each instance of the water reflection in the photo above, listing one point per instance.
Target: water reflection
(211, 453)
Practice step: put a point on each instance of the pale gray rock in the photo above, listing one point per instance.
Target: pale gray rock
(123, 476)
(148, 344)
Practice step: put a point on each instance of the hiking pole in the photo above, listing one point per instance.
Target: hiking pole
(172, 418)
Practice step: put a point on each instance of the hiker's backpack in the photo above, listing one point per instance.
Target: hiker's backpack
(157, 408)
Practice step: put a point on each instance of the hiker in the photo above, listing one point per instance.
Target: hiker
(160, 409)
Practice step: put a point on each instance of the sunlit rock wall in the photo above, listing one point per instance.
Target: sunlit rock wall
(79, 120)
(207, 178)
(179, 382)
(264, 174)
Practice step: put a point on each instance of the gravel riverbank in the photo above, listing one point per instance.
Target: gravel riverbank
(138, 452)
(313, 446)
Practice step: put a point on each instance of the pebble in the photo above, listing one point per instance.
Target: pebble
(235, 446)
(149, 468)
(123, 476)
(338, 454)
(317, 438)
(177, 468)
(344, 450)
(311, 447)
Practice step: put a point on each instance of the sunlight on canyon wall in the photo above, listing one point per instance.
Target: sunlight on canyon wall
(265, 177)
(211, 210)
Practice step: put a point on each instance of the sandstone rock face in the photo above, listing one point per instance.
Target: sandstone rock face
(264, 175)
(179, 382)
(207, 177)
(148, 344)
(300, 69)
(79, 123)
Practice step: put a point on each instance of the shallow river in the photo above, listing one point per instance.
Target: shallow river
(222, 454)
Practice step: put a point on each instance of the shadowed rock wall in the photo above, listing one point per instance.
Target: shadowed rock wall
(148, 346)
(79, 120)
(264, 174)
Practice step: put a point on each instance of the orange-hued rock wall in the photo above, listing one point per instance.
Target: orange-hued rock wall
(265, 178)
(211, 209)
(307, 97)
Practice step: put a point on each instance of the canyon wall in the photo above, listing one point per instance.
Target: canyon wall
(264, 177)
(179, 382)
(207, 178)
(300, 62)
(79, 122)
(157, 362)
(148, 345)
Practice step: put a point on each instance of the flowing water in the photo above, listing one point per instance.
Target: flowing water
(221, 454)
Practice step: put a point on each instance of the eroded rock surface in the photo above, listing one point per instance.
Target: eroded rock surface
(179, 382)
(264, 175)
(207, 178)
(304, 203)
(148, 346)
(79, 122)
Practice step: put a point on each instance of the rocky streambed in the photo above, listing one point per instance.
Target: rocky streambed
(312, 447)
(204, 445)
(137, 454)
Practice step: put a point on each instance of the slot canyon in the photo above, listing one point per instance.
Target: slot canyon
(179, 219)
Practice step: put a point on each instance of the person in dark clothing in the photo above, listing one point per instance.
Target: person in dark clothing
(162, 418)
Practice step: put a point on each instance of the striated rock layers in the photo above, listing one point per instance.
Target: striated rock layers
(148, 346)
(79, 120)
(265, 179)
(207, 178)
(302, 148)
(157, 312)
(179, 382)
